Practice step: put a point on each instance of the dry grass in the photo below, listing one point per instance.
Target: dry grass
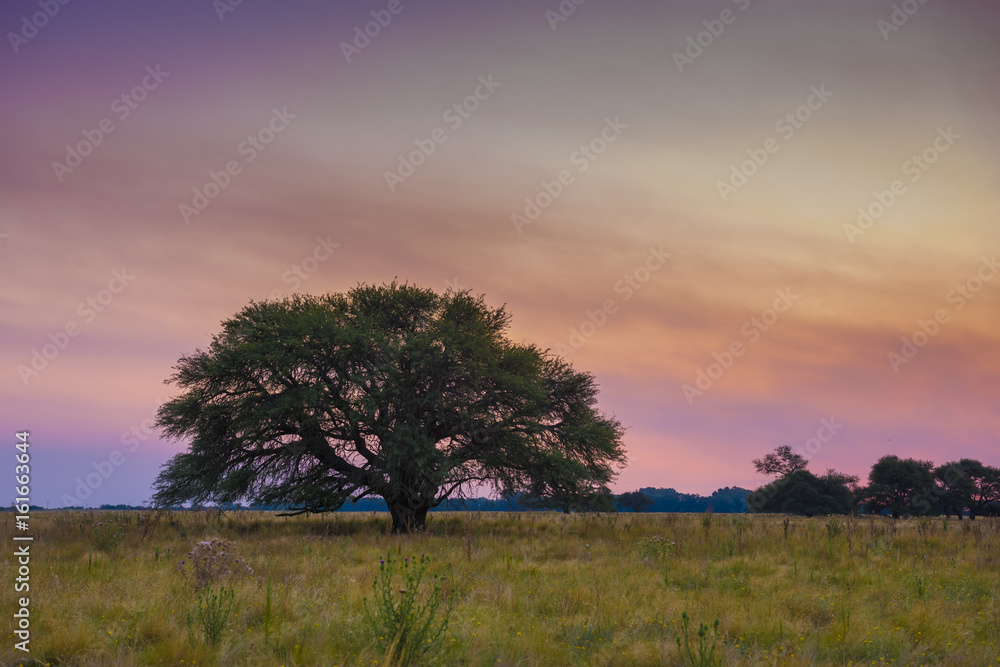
(532, 589)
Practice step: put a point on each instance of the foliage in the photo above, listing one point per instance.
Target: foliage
(724, 500)
(214, 561)
(705, 656)
(783, 461)
(212, 612)
(655, 548)
(407, 631)
(802, 492)
(392, 391)
(967, 484)
(568, 498)
(637, 501)
(531, 573)
(903, 487)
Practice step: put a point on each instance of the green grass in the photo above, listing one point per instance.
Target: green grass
(528, 589)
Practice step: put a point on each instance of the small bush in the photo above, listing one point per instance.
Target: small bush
(214, 562)
(408, 632)
(212, 612)
(705, 656)
(655, 548)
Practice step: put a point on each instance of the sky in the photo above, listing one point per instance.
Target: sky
(757, 223)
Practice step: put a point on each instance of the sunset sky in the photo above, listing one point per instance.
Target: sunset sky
(695, 167)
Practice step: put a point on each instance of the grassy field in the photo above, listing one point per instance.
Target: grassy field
(527, 589)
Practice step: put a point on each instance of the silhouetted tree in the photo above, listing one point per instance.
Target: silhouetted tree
(783, 461)
(901, 486)
(801, 492)
(391, 391)
(637, 501)
(968, 484)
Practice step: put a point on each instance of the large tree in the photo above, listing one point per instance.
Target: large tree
(798, 491)
(968, 484)
(902, 487)
(393, 391)
(801, 492)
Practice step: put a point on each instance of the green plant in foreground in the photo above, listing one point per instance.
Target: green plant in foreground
(211, 611)
(655, 548)
(406, 630)
(706, 646)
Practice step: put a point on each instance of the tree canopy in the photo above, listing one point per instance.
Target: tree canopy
(901, 487)
(801, 492)
(637, 501)
(782, 461)
(393, 391)
(968, 484)
(798, 491)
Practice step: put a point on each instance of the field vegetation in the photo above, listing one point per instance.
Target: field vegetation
(536, 588)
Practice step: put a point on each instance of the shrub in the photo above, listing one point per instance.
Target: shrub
(706, 647)
(406, 630)
(212, 611)
(214, 561)
(655, 548)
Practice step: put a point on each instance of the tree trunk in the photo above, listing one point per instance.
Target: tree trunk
(406, 519)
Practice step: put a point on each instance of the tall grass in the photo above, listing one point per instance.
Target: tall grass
(528, 589)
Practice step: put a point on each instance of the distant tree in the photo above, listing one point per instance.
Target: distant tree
(722, 500)
(968, 484)
(391, 391)
(729, 500)
(904, 487)
(783, 461)
(801, 492)
(595, 499)
(637, 501)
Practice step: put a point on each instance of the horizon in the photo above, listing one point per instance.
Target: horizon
(756, 223)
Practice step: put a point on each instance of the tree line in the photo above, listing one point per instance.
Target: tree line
(896, 486)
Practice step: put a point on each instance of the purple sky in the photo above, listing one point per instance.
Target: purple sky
(700, 183)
